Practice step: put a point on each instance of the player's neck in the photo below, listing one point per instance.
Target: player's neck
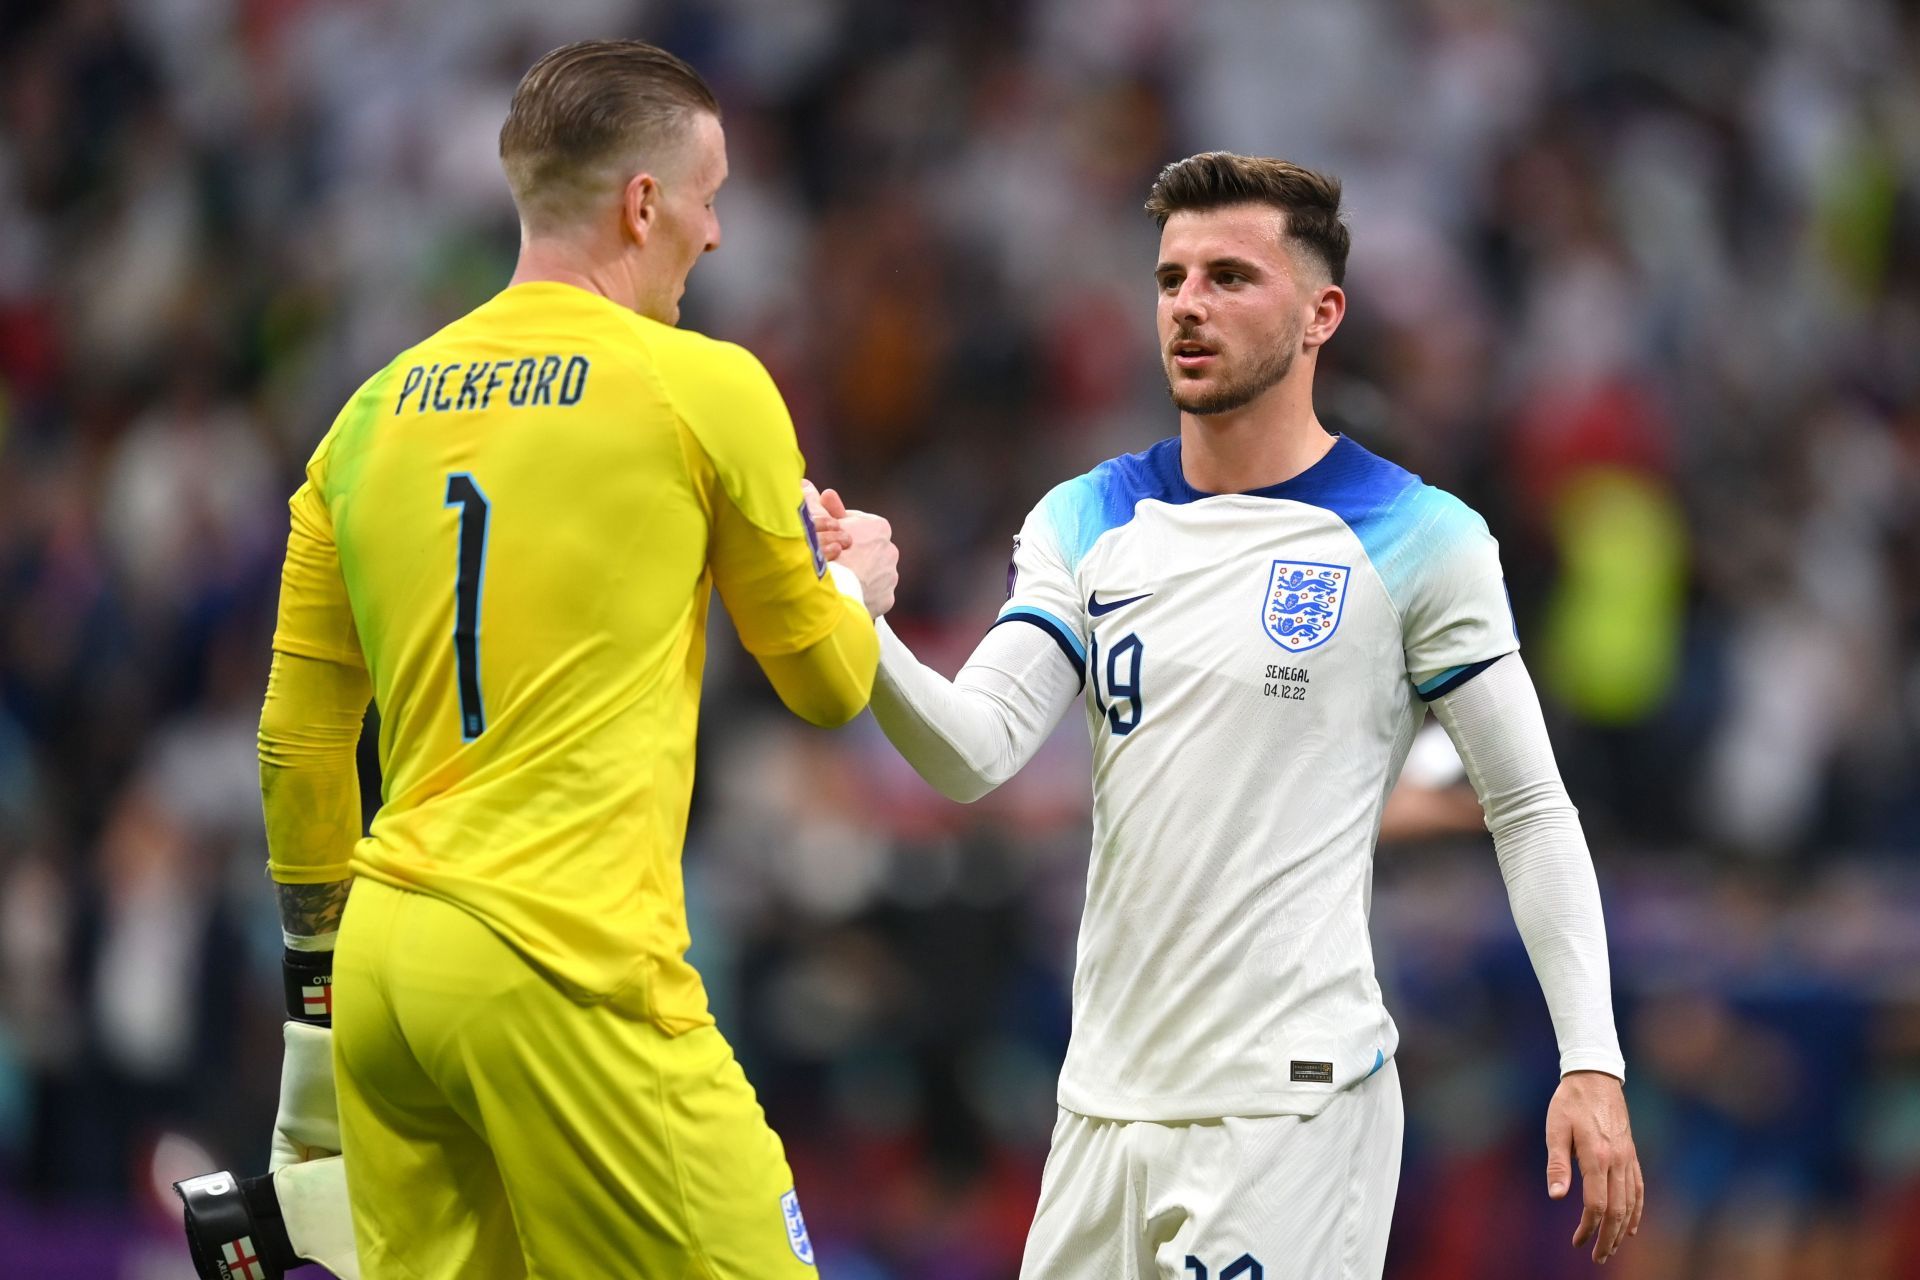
(1265, 443)
(564, 262)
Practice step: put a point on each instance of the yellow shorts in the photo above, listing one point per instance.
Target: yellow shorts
(494, 1127)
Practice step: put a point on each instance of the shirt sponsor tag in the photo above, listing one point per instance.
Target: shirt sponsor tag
(1311, 1072)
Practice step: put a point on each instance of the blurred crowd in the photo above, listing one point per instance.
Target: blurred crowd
(1639, 280)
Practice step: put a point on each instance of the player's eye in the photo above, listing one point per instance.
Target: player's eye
(1230, 277)
(1168, 283)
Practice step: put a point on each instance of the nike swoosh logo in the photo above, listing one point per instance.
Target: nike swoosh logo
(1097, 609)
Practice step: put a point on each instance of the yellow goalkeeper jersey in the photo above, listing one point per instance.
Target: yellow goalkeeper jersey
(514, 526)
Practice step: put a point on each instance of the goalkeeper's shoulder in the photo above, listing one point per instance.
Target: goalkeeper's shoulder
(729, 405)
(711, 382)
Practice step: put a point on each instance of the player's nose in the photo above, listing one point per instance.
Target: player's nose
(1188, 306)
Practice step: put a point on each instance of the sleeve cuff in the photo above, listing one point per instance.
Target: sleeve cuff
(848, 582)
(1442, 683)
(1063, 635)
(1612, 1065)
(281, 873)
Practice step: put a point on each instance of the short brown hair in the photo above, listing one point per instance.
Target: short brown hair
(589, 114)
(1214, 179)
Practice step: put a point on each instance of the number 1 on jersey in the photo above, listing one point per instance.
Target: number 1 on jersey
(470, 577)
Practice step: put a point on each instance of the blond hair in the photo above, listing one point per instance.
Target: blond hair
(589, 115)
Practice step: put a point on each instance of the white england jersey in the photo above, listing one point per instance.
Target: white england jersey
(1254, 670)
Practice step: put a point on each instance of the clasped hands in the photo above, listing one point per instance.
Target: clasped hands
(858, 540)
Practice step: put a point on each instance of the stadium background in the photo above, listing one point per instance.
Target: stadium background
(1641, 281)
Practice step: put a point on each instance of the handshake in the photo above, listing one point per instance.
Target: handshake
(859, 543)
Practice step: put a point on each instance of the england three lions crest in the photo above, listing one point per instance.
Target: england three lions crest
(797, 1238)
(1303, 604)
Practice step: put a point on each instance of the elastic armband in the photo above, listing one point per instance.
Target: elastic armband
(308, 977)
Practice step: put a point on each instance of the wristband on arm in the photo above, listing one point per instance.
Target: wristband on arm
(235, 1229)
(308, 980)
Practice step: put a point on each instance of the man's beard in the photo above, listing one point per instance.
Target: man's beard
(1238, 393)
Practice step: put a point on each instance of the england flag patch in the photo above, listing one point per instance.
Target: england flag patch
(797, 1238)
(316, 998)
(1304, 602)
(242, 1259)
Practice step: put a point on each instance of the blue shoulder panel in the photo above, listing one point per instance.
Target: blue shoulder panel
(1104, 498)
(1400, 521)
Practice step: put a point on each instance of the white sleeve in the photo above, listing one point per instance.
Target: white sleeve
(1495, 722)
(1042, 589)
(968, 735)
(1455, 616)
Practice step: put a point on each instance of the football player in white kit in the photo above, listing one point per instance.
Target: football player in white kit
(1255, 616)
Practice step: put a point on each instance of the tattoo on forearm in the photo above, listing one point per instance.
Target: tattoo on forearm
(309, 909)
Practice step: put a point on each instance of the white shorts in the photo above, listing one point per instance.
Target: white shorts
(1244, 1198)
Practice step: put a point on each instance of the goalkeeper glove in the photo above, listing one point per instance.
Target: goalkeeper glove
(261, 1228)
(308, 1124)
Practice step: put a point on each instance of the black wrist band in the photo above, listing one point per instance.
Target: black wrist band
(308, 976)
(270, 1228)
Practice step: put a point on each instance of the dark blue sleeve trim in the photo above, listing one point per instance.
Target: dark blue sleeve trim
(1060, 638)
(1454, 679)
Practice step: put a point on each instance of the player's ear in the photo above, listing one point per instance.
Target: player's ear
(1329, 308)
(639, 207)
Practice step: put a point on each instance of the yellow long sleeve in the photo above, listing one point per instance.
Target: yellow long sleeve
(829, 682)
(309, 787)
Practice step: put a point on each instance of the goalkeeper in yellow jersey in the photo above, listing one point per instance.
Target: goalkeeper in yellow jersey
(507, 541)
